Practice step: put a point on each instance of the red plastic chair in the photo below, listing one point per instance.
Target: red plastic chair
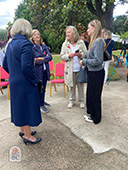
(51, 64)
(63, 61)
(4, 75)
(59, 72)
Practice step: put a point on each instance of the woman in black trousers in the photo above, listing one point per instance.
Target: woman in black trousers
(94, 62)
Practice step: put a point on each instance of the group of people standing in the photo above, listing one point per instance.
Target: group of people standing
(75, 54)
(26, 61)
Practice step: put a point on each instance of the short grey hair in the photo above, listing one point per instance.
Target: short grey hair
(108, 34)
(75, 33)
(23, 27)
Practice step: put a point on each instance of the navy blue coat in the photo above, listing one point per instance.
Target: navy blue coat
(110, 46)
(39, 66)
(25, 108)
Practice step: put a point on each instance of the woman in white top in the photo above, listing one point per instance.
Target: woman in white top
(72, 51)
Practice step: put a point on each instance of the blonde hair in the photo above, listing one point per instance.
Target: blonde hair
(97, 32)
(75, 33)
(31, 39)
(23, 27)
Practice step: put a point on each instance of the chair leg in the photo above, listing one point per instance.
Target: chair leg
(67, 88)
(8, 92)
(1, 91)
(55, 87)
(50, 89)
(52, 77)
(64, 90)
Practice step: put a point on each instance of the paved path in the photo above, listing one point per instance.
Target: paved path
(68, 141)
(112, 132)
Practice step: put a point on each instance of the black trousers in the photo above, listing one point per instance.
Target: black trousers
(93, 94)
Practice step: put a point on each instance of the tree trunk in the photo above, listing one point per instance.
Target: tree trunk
(106, 15)
(71, 17)
(107, 19)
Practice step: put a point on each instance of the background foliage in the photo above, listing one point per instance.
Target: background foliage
(51, 17)
(3, 34)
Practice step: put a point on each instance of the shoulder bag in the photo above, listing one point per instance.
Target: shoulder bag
(106, 55)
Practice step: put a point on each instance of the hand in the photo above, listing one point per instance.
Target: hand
(41, 58)
(71, 55)
(36, 60)
(80, 63)
(78, 54)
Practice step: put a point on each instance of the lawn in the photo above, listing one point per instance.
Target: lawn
(57, 59)
(117, 52)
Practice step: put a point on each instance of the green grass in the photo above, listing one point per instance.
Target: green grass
(115, 76)
(56, 59)
(117, 52)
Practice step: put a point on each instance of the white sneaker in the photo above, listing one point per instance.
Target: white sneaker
(87, 115)
(71, 104)
(82, 105)
(88, 119)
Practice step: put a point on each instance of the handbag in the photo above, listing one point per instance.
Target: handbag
(106, 54)
(40, 86)
(82, 77)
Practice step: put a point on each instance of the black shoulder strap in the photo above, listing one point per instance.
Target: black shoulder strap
(13, 52)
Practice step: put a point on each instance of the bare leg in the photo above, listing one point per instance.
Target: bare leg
(22, 129)
(27, 133)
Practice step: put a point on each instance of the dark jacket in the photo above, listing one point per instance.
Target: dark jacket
(110, 46)
(25, 108)
(42, 52)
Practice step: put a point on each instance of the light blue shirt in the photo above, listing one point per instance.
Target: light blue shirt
(1, 58)
(43, 63)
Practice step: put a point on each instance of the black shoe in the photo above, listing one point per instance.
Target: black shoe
(47, 104)
(21, 134)
(29, 141)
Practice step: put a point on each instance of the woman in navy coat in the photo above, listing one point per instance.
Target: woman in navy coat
(19, 63)
(109, 43)
(42, 57)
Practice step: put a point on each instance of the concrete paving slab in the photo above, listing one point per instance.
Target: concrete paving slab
(112, 132)
(99, 147)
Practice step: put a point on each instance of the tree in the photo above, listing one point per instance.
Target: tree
(125, 35)
(103, 9)
(3, 33)
(51, 17)
(119, 26)
(126, 23)
(24, 11)
(62, 14)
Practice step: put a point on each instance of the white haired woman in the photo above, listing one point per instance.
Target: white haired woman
(19, 63)
(72, 51)
(94, 62)
(109, 44)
